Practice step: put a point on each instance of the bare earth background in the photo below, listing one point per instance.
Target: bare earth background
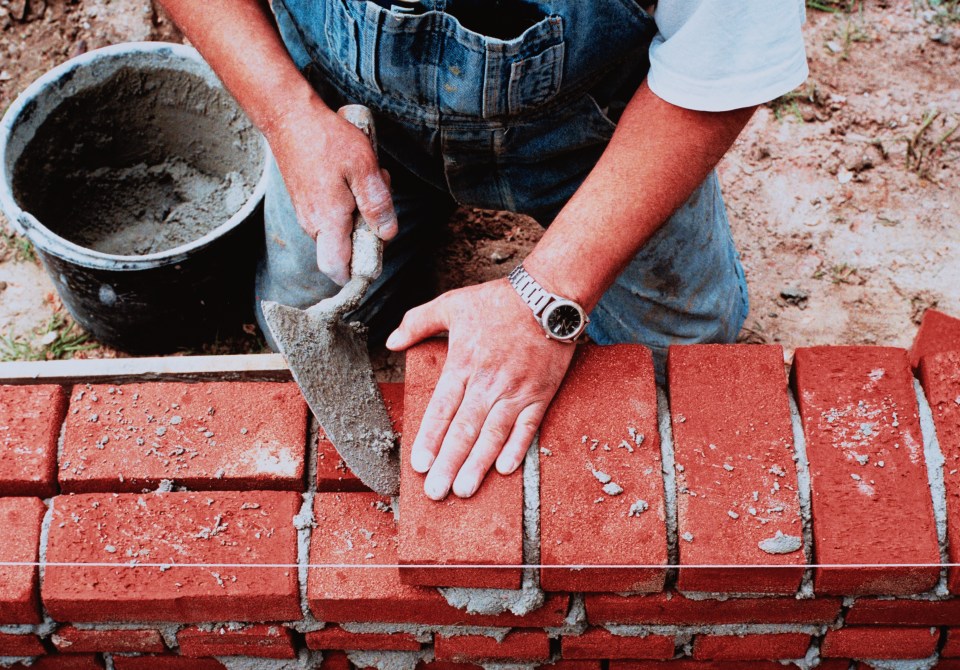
(844, 196)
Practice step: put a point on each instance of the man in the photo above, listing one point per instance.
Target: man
(584, 114)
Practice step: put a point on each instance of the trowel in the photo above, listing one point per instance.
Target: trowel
(330, 362)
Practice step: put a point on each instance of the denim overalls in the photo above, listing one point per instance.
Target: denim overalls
(499, 104)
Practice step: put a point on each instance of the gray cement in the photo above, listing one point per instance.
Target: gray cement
(576, 621)
(144, 162)
(389, 660)
(914, 664)
(934, 460)
(804, 493)
(669, 483)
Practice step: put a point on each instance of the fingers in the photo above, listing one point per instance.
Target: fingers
(418, 324)
(440, 412)
(459, 440)
(496, 429)
(372, 193)
(524, 428)
(334, 249)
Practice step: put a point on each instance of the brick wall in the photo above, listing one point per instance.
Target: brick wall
(747, 516)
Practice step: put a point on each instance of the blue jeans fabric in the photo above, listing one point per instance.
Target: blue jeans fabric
(512, 122)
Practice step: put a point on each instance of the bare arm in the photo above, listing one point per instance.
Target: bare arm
(328, 166)
(501, 372)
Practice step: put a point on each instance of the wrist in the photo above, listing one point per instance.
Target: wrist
(564, 279)
(301, 108)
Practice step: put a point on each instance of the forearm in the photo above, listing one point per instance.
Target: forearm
(239, 40)
(658, 155)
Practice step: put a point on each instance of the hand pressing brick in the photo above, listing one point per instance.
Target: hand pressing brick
(871, 498)
(205, 436)
(601, 487)
(332, 472)
(485, 529)
(940, 376)
(357, 530)
(30, 419)
(737, 485)
(223, 528)
(20, 520)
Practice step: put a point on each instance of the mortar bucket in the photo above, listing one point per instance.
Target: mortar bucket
(140, 183)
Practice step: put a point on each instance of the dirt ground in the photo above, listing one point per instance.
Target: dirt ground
(843, 195)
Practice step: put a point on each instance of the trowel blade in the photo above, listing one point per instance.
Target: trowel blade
(330, 362)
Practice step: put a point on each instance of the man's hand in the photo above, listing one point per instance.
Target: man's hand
(330, 171)
(500, 375)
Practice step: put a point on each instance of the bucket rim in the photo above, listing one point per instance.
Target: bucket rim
(45, 239)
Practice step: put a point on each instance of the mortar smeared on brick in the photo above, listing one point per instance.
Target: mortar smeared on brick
(803, 492)
(669, 482)
(390, 660)
(934, 460)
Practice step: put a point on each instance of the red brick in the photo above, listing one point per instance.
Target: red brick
(449, 665)
(582, 433)
(857, 403)
(952, 647)
(205, 436)
(673, 609)
(72, 640)
(880, 643)
(736, 477)
(20, 520)
(945, 664)
(904, 612)
(332, 472)
(335, 660)
(938, 332)
(227, 528)
(485, 529)
(63, 662)
(517, 646)
(30, 419)
(167, 662)
(688, 664)
(20, 645)
(259, 640)
(769, 647)
(349, 529)
(599, 643)
(566, 664)
(334, 637)
(940, 376)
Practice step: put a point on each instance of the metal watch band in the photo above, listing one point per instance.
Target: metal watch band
(536, 297)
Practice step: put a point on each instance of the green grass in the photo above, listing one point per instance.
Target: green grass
(58, 338)
(928, 142)
(788, 104)
(16, 245)
(945, 12)
(834, 6)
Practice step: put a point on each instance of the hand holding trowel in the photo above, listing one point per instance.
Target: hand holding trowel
(330, 362)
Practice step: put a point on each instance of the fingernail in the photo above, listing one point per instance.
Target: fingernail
(435, 489)
(421, 461)
(466, 490)
(388, 229)
(393, 340)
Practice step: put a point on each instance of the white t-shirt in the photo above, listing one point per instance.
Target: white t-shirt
(716, 55)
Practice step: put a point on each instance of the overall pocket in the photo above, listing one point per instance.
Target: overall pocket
(535, 80)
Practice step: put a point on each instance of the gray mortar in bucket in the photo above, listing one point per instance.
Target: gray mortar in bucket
(131, 151)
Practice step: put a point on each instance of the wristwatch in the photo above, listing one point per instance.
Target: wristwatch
(561, 319)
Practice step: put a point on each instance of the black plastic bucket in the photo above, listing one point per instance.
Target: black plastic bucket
(140, 182)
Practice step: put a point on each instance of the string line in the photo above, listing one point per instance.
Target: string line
(461, 566)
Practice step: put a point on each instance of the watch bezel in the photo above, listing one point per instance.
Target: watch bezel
(551, 308)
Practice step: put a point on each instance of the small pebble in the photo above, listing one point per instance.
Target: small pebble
(612, 489)
(732, 514)
(688, 536)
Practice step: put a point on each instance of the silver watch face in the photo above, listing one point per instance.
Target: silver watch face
(564, 320)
